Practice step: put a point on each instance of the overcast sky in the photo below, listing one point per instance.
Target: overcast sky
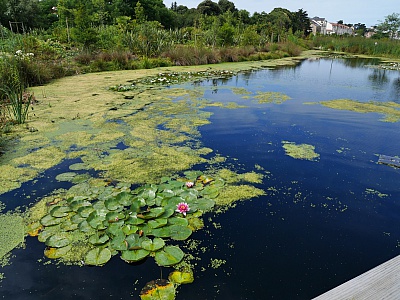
(369, 12)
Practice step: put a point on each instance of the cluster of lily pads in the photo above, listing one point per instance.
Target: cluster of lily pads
(134, 223)
(170, 78)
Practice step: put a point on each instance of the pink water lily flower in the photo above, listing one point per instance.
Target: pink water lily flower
(182, 208)
(189, 184)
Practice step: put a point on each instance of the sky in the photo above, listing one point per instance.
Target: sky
(368, 12)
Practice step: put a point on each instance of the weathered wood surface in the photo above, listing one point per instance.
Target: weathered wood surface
(389, 160)
(380, 283)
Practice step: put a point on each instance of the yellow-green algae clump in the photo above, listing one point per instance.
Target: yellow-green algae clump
(12, 232)
(390, 110)
(300, 151)
(271, 97)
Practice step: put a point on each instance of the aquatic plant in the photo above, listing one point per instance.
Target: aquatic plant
(182, 208)
(300, 151)
(18, 102)
(136, 224)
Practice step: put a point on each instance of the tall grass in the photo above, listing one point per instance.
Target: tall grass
(359, 45)
(17, 102)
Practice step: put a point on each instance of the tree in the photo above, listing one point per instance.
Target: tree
(391, 25)
(20, 11)
(360, 29)
(209, 8)
(301, 23)
(226, 5)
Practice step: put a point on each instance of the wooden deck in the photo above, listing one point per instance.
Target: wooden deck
(380, 283)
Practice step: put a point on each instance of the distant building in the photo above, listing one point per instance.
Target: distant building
(322, 26)
(341, 29)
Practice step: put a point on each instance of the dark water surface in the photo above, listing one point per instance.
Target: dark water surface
(321, 223)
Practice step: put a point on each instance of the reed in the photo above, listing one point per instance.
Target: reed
(17, 102)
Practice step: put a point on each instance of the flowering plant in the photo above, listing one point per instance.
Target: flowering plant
(182, 208)
(189, 184)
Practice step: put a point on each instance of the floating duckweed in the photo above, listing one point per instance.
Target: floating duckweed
(300, 151)
(233, 105)
(232, 177)
(11, 177)
(231, 194)
(41, 159)
(12, 232)
(216, 263)
(391, 110)
(375, 192)
(240, 91)
(271, 97)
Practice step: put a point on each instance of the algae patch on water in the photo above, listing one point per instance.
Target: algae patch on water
(390, 110)
(271, 97)
(12, 232)
(300, 151)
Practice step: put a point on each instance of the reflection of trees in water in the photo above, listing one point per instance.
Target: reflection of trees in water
(360, 62)
(379, 78)
(395, 90)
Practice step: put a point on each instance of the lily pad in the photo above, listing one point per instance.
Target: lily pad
(181, 277)
(68, 225)
(203, 204)
(98, 257)
(49, 220)
(113, 217)
(78, 166)
(81, 178)
(84, 226)
(160, 289)
(152, 213)
(112, 204)
(85, 211)
(124, 198)
(119, 243)
(54, 253)
(114, 228)
(129, 229)
(76, 204)
(169, 256)
(97, 239)
(134, 255)
(134, 241)
(96, 220)
(59, 211)
(44, 235)
(58, 240)
(178, 221)
(134, 220)
(153, 245)
(77, 219)
(156, 223)
(176, 232)
(68, 176)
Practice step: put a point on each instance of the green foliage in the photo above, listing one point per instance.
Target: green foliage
(17, 102)
(135, 223)
(361, 45)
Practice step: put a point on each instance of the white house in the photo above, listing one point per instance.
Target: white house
(322, 26)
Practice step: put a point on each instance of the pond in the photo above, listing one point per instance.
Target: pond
(326, 217)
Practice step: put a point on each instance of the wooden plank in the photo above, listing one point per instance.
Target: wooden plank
(389, 160)
(382, 282)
